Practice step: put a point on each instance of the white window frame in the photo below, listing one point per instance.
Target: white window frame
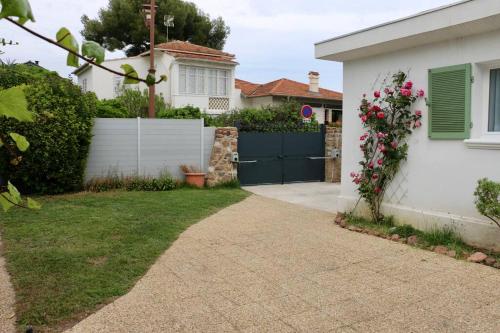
(84, 85)
(117, 84)
(204, 80)
(486, 139)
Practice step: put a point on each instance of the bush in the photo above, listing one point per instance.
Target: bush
(283, 117)
(59, 136)
(188, 112)
(137, 103)
(111, 108)
(488, 199)
(132, 183)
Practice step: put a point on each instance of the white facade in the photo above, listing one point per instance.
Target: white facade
(105, 85)
(435, 186)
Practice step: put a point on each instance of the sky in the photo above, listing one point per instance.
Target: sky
(271, 39)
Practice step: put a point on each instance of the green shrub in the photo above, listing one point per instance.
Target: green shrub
(132, 183)
(284, 117)
(111, 108)
(488, 199)
(187, 112)
(136, 102)
(59, 136)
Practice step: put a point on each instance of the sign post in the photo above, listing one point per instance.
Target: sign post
(306, 112)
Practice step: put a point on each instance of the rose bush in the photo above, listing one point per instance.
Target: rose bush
(388, 119)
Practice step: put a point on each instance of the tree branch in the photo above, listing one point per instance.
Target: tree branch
(88, 60)
(15, 204)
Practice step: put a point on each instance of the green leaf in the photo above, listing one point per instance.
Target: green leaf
(13, 104)
(4, 201)
(93, 50)
(17, 8)
(130, 71)
(15, 196)
(163, 78)
(21, 142)
(32, 204)
(66, 39)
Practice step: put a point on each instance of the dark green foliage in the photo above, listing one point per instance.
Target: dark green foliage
(132, 183)
(404, 230)
(235, 183)
(187, 112)
(111, 108)
(59, 137)
(121, 26)
(444, 236)
(488, 199)
(283, 117)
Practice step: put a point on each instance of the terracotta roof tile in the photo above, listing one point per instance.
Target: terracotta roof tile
(187, 50)
(285, 87)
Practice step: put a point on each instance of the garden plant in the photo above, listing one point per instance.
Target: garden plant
(388, 119)
(488, 199)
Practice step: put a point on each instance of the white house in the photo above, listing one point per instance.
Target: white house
(454, 53)
(205, 78)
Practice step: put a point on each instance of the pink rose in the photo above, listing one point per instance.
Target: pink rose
(394, 144)
(380, 161)
(382, 148)
(375, 176)
(375, 108)
(405, 92)
(364, 119)
(418, 113)
(380, 115)
(370, 165)
(418, 123)
(369, 114)
(381, 135)
(353, 174)
(377, 190)
(420, 93)
(408, 85)
(376, 94)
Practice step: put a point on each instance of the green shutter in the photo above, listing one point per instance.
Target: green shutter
(450, 102)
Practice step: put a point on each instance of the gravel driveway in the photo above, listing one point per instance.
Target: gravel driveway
(264, 265)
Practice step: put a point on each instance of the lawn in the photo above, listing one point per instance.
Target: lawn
(81, 251)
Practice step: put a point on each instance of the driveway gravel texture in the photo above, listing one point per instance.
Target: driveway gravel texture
(7, 299)
(264, 265)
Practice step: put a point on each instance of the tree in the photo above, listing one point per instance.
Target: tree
(121, 26)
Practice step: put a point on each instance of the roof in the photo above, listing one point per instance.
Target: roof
(285, 87)
(456, 20)
(186, 50)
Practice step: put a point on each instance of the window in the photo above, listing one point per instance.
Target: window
(117, 84)
(494, 109)
(84, 85)
(450, 102)
(201, 81)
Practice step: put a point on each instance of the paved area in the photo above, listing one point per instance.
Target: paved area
(322, 196)
(7, 299)
(264, 265)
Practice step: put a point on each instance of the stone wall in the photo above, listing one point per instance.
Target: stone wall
(220, 167)
(333, 140)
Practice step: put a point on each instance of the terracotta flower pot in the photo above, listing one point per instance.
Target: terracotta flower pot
(196, 179)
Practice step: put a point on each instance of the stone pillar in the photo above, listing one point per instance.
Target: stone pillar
(220, 167)
(333, 140)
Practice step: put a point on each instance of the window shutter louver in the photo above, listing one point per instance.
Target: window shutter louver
(450, 102)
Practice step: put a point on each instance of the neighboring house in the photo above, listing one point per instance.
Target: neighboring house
(197, 75)
(454, 53)
(205, 78)
(327, 104)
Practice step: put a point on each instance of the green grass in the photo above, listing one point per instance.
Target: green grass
(444, 237)
(80, 251)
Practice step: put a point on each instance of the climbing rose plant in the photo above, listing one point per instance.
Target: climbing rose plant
(388, 120)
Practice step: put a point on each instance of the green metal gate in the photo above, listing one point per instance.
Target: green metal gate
(279, 158)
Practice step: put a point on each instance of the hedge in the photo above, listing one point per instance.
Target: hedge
(59, 137)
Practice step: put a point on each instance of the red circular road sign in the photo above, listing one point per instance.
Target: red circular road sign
(306, 112)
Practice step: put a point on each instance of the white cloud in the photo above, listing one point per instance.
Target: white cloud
(271, 38)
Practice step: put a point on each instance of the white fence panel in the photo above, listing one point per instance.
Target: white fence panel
(148, 146)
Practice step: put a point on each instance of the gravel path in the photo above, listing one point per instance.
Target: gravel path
(7, 299)
(268, 266)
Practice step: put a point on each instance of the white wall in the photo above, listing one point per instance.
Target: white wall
(148, 146)
(436, 185)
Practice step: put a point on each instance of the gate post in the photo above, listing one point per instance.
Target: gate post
(333, 140)
(221, 168)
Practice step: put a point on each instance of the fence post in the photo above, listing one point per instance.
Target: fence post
(138, 146)
(202, 144)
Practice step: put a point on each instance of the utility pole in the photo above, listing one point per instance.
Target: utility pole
(150, 10)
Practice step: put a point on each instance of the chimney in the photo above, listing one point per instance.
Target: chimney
(314, 82)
